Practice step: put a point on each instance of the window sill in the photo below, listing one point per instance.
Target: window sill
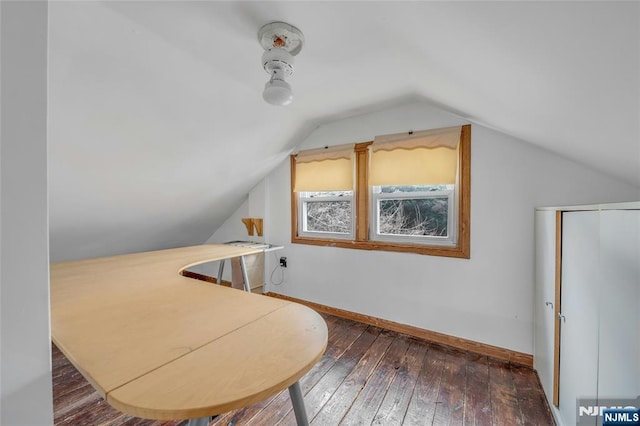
(457, 252)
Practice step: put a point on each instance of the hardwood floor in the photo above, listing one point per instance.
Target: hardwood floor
(366, 376)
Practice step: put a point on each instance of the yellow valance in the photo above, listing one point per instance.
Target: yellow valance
(420, 158)
(324, 169)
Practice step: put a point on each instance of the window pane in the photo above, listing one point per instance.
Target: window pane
(421, 216)
(328, 216)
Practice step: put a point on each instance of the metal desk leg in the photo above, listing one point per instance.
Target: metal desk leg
(245, 276)
(298, 404)
(202, 421)
(220, 270)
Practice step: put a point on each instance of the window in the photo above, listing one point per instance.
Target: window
(414, 214)
(408, 192)
(326, 214)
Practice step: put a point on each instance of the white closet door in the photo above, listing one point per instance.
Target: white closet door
(619, 363)
(579, 329)
(543, 310)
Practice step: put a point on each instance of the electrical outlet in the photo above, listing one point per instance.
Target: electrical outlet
(283, 262)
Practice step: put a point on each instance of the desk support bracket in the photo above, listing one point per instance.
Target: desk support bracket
(243, 268)
(245, 276)
(298, 404)
(297, 400)
(220, 271)
(202, 421)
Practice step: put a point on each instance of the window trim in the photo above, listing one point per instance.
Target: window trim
(362, 242)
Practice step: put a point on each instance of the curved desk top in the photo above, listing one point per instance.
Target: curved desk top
(159, 345)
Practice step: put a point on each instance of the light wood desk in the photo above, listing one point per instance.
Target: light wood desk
(158, 345)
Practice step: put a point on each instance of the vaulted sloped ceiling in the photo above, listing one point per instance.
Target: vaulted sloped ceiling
(157, 128)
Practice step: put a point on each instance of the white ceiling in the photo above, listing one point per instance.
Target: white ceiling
(157, 128)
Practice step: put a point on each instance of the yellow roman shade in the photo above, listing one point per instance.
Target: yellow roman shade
(428, 157)
(324, 169)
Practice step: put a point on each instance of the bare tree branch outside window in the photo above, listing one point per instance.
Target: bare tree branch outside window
(426, 216)
(329, 216)
(414, 217)
(325, 212)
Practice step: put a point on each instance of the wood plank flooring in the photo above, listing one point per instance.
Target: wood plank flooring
(367, 376)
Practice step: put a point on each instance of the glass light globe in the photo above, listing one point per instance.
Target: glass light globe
(277, 92)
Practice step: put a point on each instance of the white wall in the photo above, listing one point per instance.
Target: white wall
(234, 230)
(487, 298)
(25, 366)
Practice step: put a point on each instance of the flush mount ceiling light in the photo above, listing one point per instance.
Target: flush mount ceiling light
(281, 42)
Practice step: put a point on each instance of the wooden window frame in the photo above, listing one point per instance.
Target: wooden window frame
(361, 202)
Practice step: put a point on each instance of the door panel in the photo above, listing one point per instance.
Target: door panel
(619, 356)
(544, 315)
(579, 328)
